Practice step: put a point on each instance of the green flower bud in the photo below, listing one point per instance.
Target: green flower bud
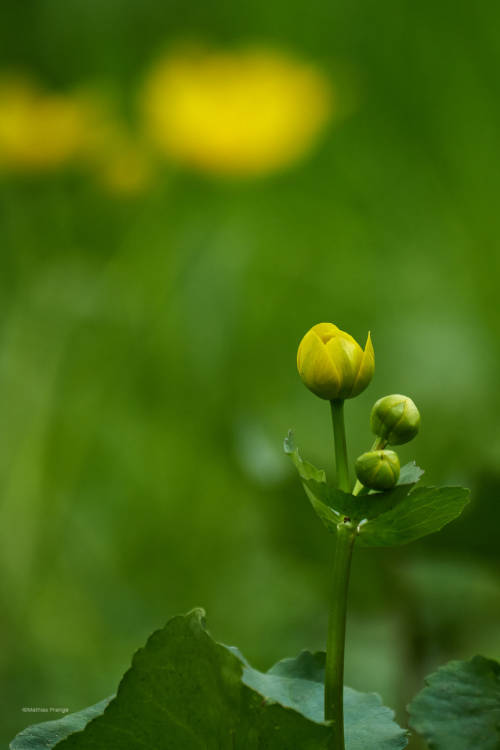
(378, 470)
(332, 364)
(395, 419)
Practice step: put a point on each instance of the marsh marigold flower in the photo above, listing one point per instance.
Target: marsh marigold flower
(239, 113)
(332, 364)
(38, 130)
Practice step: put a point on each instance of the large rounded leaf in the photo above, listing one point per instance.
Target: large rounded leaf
(299, 683)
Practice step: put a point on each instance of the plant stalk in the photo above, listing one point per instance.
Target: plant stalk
(346, 534)
(341, 463)
(334, 670)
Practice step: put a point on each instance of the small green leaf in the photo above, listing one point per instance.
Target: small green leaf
(460, 707)
(410, 473)
(424, 511)
(186, 691)
(306, 470)
(314, 482)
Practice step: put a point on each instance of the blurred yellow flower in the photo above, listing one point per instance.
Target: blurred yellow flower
(38, 130)
(238, 113)
(42, 132)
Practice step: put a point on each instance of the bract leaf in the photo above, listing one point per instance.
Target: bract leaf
(424, 511)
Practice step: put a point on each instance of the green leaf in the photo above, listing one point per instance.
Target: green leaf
(372, 505)
(330, 516)
(314, 482)
(424, 511)
(49, 733)
(306, 470)
(332, 505)
(299, 684)
(460, 707)
(410, 473)
(186, 691)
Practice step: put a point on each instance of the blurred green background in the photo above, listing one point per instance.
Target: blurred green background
(148, 341)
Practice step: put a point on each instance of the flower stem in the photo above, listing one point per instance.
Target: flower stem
(334, 671)
(341, 462)
(346, 535)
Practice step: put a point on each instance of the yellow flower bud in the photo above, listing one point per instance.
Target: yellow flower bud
(332, 364)
(378, 470)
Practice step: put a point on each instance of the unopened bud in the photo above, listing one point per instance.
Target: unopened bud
(395, 419)
(332, 364)
(378, 470)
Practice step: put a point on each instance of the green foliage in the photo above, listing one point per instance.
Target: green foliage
(333, 505)
(307, 471)
(460, 707)
(410, 473)
(298, 683)
(424, 511)
(316, 488)
(49, 733)
(388, 518)
(186, 691)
